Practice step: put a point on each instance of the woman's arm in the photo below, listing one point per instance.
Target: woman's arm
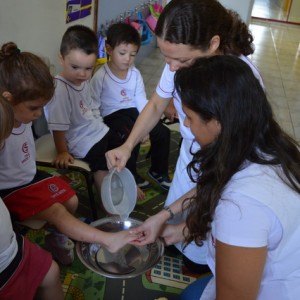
(154, 226)
(238, 271)
(147, 119)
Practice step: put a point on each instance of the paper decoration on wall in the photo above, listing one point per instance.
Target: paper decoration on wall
(77, 9)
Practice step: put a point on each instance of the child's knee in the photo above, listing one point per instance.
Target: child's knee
(72, 204)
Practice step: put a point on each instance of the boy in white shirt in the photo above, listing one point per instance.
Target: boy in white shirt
(118, 89)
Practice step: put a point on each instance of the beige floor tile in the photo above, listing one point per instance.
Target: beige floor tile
(294, 104)
(297, 133)
(288, 128)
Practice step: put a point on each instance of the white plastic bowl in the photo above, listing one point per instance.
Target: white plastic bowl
(119, 193)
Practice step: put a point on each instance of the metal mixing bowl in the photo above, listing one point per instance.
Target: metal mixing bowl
(128, 262)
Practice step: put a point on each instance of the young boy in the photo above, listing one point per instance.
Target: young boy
(77, 132)
(118, 90)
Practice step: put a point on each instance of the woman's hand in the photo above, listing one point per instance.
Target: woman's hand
(150, 230)
(118, 157)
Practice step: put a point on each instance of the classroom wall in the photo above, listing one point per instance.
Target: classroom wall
(294, 12)
(243, 8)
(111, 9)
(123, 7)
(36, 26)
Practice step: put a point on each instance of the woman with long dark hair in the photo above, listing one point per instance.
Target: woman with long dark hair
(247, 198)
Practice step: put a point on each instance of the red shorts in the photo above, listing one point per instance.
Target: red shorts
(35, 197)
(28, 275)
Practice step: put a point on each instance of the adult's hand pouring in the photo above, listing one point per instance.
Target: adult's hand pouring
(118, 157)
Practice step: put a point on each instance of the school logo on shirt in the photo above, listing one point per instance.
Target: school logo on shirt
(123, 93)
(25, 150)
(82, 107)
(53, 188)
(125, 97)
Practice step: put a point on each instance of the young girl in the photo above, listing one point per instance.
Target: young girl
(25, 81)
(247, 197)
(26, 270)
(186, 29)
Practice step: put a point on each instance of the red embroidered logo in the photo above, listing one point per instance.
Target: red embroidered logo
(82, 107)
(25, 147)
(123, 93)
(53, 188)
(25, 150)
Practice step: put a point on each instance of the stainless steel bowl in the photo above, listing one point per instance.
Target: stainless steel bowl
(128, 262)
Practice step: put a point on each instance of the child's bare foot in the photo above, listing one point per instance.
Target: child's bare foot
(140, 194)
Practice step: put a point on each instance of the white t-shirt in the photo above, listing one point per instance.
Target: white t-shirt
(181, 182)
(8, 245)
(71, 110)
(257, 209)
(17, 158)
(112, 93)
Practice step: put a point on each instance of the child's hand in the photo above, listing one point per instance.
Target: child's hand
(171, 112)
(145, 139)
(63, 160)
(115, 241)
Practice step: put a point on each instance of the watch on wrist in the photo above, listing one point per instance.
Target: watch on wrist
(168, 209)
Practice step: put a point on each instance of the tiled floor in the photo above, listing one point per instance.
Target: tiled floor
(277, 56)
(271, 9)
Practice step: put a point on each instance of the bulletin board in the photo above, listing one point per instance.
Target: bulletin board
(80, 9)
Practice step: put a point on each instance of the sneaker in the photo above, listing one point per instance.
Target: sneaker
(142, 183)
(61, 247)
(163, 180)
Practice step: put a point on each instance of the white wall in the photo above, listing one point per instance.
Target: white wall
(242, 7)
(36, 26)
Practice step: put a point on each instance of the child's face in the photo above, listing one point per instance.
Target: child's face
(122, 56)
(77, 66)
(28, 111)
(205, 132)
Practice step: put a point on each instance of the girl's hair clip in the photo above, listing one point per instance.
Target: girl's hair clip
(17, 51)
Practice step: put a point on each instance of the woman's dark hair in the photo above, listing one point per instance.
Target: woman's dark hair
(224, 88)
(23, 74)
(120, 33)
(79, 37)
(195, 22)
